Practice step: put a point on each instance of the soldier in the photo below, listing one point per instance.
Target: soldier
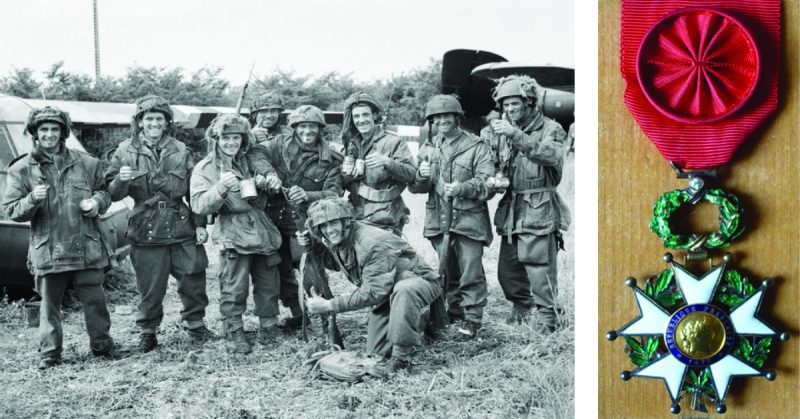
(265, 115)
(153, 168)
(247, 239)
(528, 151)
(61, 192)
(377, 167)
(454, 166)
(391, 279)
(310, 169)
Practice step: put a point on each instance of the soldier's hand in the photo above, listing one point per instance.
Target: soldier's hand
(39, 193)
(274, 183)
(502, 127)
(425, 169)
(90, 208)
(229, 181)
(260, 135)
(261, 182)
(377, 161)
(303, 238)
(201, 234)
(317, 304)
(125, 174)
(297, 194)
(452, 189)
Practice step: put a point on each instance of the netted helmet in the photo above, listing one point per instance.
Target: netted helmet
(48, 114)
(440, 104)
(307, 113)
(267, 100)
(329, 209)
(517, 86)
(228, 123)
(153, 103)
(360, 98)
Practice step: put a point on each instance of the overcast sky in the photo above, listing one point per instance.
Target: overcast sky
(371, 39)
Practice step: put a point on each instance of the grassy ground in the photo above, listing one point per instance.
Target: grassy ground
(510, 371)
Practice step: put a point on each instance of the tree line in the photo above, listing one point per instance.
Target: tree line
(405, 95)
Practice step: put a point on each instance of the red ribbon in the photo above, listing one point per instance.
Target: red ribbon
(700, 79)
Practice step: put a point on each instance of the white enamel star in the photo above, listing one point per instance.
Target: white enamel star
(654, 320)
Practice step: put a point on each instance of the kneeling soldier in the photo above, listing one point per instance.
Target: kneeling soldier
(61, 192)
(390, 276)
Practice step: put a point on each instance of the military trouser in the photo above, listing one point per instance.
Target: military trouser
(235, 271)
(527, 270)
(466, 290)
(187, 262)
(288, 283)
(394, 327)
(88, 285)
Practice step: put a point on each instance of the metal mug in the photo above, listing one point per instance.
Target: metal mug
(248, 188)
(359, 167)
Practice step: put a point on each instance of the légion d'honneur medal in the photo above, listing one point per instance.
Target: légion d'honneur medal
(699, 83)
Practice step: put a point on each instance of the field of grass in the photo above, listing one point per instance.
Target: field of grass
(509, 371)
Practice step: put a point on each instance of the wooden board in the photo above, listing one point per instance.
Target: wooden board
(765, 174)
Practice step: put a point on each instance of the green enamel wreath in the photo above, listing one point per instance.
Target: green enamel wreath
(729, 215)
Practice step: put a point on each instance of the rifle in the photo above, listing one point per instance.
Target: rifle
(244, 89)
(438, 320)
(319, 279)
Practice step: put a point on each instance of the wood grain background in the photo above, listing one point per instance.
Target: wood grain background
(765, 174)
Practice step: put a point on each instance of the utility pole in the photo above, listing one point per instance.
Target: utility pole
(96, 46)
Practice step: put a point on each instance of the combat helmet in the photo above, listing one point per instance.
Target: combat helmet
(48, 114)
(228, 123)
(440, 104)
(153, 103)
(307, 113)
(327, 210)
(267, 100)
(521, 86)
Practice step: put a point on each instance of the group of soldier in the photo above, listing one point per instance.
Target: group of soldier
(274, 192)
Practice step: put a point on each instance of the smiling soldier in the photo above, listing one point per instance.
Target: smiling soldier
(528, 150)
(310, 169)
(61, 192)
(390, 277)
(153, 168)
(378, 165)
(265, 115)
(454, 165)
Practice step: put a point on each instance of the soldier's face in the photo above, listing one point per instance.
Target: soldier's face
(363, 118)
(308, 132)
(229, 144)
(445, 123)
(153, 125)
(333, 231)
(267, 118)
(49, 135)
(515, 108)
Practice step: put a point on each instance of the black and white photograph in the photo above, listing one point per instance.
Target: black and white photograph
(253, 209)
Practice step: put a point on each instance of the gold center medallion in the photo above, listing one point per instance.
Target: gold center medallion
(700, 335)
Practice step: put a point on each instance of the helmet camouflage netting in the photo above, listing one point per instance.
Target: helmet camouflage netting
(48, 114)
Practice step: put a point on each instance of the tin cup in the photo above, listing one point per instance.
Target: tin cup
(248, 188)
(87, 205)
(359, 167)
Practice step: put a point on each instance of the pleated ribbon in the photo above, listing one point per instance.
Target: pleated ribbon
(701, 76)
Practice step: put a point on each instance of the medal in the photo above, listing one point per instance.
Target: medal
(699, 83)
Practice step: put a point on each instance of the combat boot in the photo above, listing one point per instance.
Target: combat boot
(200, 335)
(467, 330)
(147, 342)
(519, 315)
(390, 366)
(268, 335)
(47, 362)
(294, 323)
(546, 319)
(238, 341)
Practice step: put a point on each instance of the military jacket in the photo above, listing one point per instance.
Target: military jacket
(380, 260)
(318, 172)
(242, 225)
(532, 159)
(376, 195)
(62, 239)
(159, 188)
(467, 160)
